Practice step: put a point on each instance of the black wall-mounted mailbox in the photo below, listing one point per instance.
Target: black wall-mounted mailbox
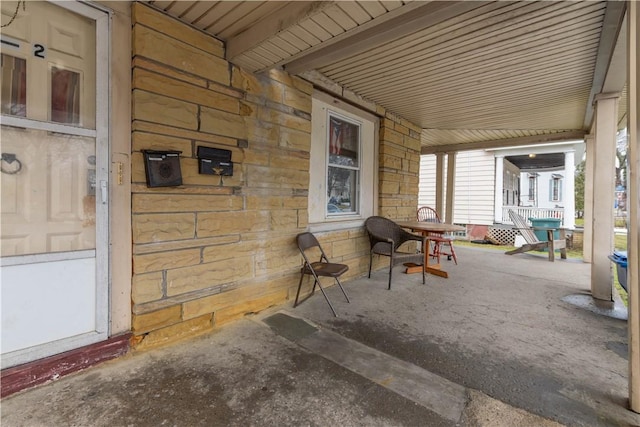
(214, 161)
(162, 168)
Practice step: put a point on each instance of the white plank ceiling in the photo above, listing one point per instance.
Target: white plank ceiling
(466, 72)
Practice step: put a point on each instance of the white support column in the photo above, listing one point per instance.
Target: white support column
(499, 186)
(451, 183)
(439, 183)
(587, 239)
(569, 190)
(633, 203)
(603, 195)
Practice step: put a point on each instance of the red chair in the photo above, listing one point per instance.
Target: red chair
(439, 240)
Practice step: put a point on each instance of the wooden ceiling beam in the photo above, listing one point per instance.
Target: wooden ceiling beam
(609, 36)
(506, 142)
(395, 24)
(273, 24)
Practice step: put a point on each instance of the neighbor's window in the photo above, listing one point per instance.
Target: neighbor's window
(342, 187)
(556, 188)
(532, 187)
(343, 166)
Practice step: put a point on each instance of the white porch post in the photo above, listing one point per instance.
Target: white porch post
(497, 209)
(603, 195)
(439, 183)
(451, 178)
(587, 239)
(633, 204)
(569, 190)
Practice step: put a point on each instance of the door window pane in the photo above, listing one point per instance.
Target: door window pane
(343, 166)
(14, 86)
(65, 96)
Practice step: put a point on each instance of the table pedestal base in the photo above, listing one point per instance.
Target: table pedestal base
(431, 268)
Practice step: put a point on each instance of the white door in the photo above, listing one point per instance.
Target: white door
(53, 179)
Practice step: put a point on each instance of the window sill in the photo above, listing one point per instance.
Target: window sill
(336, 225)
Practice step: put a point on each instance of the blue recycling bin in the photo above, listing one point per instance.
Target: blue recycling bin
(620, 259)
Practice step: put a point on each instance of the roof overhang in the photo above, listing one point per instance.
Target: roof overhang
(471, 74)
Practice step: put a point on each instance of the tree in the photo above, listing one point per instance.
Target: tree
(620, 178)
(621, 168)
(579, 189)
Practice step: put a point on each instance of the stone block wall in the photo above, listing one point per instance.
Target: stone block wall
(217, 248)
(399, 168)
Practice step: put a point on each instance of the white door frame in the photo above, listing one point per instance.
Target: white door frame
(102, 257)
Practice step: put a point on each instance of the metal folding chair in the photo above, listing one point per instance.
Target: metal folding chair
(323, 268)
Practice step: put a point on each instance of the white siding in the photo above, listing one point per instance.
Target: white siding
(427, 185)
(510, 184)
(474, 190)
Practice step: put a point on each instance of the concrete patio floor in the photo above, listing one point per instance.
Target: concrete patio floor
(496, 344)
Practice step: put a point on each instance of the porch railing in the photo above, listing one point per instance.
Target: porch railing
(531, 212)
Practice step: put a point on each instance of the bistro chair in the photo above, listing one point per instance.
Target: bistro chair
(385, 237)
(439, 240)
(307, 243)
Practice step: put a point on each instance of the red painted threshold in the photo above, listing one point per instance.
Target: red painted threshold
(51, 368)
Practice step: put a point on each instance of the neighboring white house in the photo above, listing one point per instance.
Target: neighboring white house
(534, 181)
(542, 189)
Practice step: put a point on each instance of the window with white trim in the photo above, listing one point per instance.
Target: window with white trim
(342, 166)
(555, 191)
(533, 181)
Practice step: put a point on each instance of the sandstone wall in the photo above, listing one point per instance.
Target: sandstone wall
(216, 248)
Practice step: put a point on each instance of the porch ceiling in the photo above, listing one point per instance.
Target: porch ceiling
(471, 74)
(538, 161)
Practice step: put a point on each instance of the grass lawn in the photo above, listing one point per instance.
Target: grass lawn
(571, 253)
(620, 243)
(619, 222)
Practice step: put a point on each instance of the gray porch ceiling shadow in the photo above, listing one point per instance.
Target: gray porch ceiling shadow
(538, 162)
(470, 74)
